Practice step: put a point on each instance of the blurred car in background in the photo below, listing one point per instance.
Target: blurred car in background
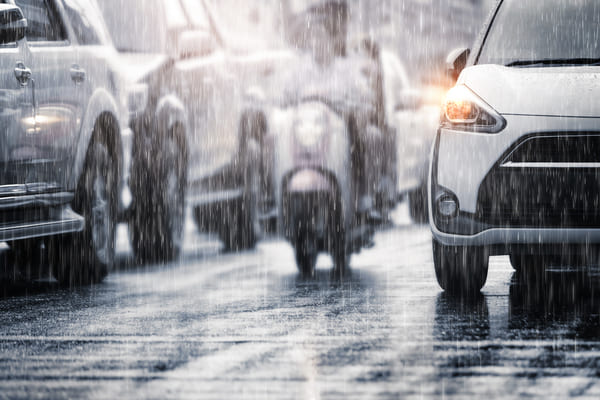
(61, 103)
(192, 141)
(414, 113)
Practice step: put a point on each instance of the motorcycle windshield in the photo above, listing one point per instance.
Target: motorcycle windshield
(346, 85)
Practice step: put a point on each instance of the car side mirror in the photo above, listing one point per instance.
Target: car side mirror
(12, 24)
(409, 99)
(196, 43)
(456, 62)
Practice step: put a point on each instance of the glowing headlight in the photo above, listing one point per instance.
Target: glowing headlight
(310, 126)
(464, 110)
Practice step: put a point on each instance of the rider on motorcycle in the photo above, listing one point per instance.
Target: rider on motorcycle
(321, 31)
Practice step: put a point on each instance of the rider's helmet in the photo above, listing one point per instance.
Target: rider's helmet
(330, 16)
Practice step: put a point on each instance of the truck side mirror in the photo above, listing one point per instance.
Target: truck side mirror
(12, 24)
(456, 62)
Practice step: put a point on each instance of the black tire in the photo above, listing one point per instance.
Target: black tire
(521, 262)
(531, 268)
(460, 271)
(517, 261)
(417, 205)
(238, 231)
(159, 212)
(341, 259)
(240, 228)
(26, 259)
(86, 257)
(306, 251)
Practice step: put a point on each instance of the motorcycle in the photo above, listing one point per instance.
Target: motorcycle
(316, 190)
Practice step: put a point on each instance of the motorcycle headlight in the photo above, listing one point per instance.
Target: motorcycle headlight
(310, 127)
(464, 110)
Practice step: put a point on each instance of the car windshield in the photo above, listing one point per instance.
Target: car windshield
(136, 25)
(549, 32)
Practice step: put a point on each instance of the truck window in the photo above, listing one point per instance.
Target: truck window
(43, 22)
(86, 22)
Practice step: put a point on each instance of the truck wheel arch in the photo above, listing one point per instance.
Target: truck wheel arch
(102, 111)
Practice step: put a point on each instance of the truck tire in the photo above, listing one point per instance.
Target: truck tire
(86, 257)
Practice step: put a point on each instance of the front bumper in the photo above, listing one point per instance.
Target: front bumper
(528, 185)
(502, 237)
(37, 215)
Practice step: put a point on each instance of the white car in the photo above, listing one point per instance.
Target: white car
(415, 120)
(516, 162)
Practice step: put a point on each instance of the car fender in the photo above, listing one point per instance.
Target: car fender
(101, 102)
(170, 111)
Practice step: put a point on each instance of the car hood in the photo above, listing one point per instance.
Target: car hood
(136, 66)
(548, 91)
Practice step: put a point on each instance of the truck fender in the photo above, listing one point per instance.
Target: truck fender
(101, 103)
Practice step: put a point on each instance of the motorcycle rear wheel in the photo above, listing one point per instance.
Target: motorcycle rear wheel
(306, 255)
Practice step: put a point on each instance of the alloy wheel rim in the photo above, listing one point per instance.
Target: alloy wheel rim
(100, 218)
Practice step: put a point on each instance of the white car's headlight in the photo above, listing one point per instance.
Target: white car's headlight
(310, 126)
(464, 110)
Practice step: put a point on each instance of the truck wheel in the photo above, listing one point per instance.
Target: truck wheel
(460, 270)
(417, 205)
(86, 257)
(159, 212)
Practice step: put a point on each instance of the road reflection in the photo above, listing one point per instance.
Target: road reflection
(461, 319)
(551, 328)
(559, 301)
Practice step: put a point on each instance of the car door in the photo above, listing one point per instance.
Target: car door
(210, 90)
(57, 87)
(16, 114)
(192, 86)
(409, 140)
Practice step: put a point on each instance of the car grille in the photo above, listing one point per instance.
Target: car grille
(572, 148)
(545, 182)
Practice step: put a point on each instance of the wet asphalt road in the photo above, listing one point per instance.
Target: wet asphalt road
(226, 326)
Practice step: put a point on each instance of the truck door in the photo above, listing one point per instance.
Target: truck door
(16, 110)
(57, 79)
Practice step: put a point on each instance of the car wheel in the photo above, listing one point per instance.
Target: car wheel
(460, 270)
(26, 258)
(531, 268)
(159, 212)
(417, 205)
(240, 229)
(521, 262)
(86, 257)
